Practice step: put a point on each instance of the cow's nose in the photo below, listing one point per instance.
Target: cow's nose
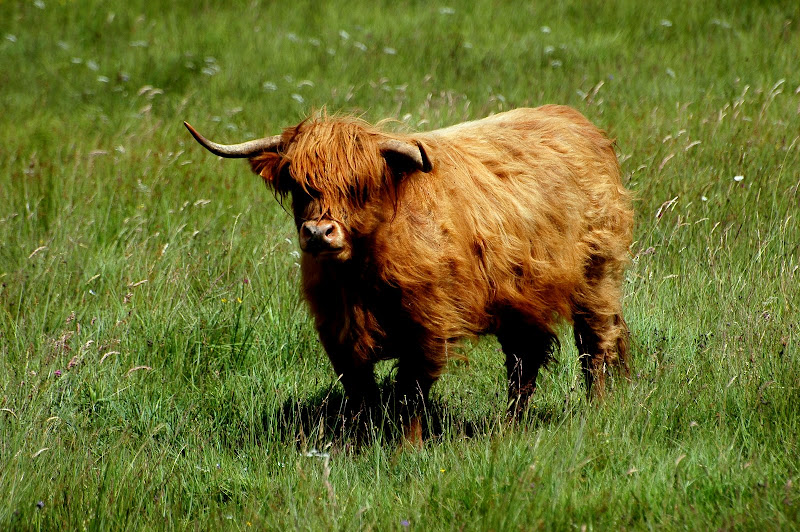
(320, 235)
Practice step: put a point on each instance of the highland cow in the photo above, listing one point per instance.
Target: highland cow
(410, 242)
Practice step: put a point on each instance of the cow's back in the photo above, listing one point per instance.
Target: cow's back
(515, 207)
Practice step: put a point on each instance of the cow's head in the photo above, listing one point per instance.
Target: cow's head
(341, 174)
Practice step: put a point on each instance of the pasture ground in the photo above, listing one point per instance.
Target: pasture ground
(158, 369)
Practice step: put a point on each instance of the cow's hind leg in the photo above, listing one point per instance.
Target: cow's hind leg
(527, 348)
(601, 334)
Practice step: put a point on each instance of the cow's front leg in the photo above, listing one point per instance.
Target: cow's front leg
(416, 373)
(358, 379)
(353, 362)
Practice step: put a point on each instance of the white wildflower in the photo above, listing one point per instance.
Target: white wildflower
(313, 453)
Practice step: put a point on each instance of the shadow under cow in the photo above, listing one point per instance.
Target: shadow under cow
(321, 419)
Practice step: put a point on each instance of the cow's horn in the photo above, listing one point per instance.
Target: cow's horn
(243, 150)
(414, 153)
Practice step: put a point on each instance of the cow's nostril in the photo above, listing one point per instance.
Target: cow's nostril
(320, 235)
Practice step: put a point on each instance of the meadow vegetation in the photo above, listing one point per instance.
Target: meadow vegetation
(158, 368)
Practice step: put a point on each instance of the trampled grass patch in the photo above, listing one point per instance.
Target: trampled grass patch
(159, 370)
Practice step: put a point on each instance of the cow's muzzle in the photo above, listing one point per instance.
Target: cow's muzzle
(321, 237)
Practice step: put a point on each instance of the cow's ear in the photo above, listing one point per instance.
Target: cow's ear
(268, 165)
(405, 157)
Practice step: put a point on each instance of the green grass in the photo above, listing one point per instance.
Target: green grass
(161, 283)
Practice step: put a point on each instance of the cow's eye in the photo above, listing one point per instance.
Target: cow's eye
(299, 194)
(304, 204)
(300, 200)
(299, 190)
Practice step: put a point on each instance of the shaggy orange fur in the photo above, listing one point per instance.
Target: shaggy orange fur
(521, 221)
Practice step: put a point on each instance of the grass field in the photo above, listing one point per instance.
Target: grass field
(159, 370)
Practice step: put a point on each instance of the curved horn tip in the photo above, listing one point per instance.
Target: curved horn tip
(192, 130)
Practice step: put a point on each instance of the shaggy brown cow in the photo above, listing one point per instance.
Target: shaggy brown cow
(498, 226)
